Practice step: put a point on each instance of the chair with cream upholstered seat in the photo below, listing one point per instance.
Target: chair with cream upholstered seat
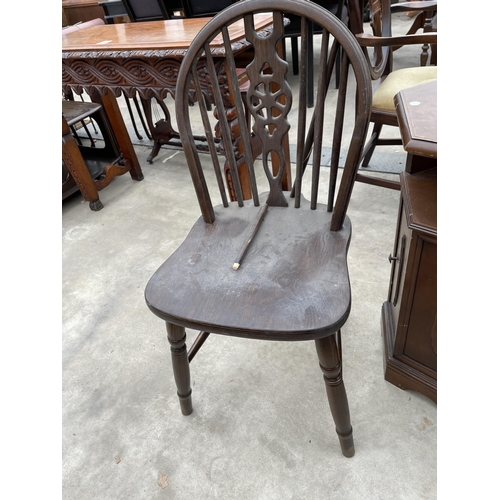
(378, 47)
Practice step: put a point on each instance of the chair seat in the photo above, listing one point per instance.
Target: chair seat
(76, 111)
(383, 98)
(292, 284)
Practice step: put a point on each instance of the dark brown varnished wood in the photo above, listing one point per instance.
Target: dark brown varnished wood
(144, 58)
(177, 339)
(409, 316)
(69, 93)
(416, 110)
(292, 282)
(174, 35)
(329, 351)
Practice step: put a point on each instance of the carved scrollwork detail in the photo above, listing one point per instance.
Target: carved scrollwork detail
(269, 101)
(150, 77)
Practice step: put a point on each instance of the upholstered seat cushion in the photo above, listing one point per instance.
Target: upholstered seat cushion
(383, 98)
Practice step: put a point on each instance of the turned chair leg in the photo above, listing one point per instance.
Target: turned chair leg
(330, 360)
(177, 338)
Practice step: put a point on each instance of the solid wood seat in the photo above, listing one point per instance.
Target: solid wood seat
(306, 290)
(273, 267)
(75, 112)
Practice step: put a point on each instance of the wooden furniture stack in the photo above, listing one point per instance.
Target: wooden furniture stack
(409, 316)
(90, 168)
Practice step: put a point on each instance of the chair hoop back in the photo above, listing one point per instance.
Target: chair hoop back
(255, 123)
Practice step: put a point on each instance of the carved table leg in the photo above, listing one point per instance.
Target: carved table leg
(118, 125)
(177, 338)
(161, 131)
(330, 360)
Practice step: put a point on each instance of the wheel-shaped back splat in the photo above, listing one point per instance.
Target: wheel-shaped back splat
(269, 101)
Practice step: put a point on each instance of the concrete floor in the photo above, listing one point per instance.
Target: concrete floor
(261, 426)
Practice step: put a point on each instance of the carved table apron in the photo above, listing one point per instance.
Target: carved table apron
(144, 59)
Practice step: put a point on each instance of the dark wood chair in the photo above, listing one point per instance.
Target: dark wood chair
(273, 267)
(425, 20)
(378, 47)
(88, 168)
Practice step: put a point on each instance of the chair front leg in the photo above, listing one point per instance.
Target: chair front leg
(177, 338)
(330, 360)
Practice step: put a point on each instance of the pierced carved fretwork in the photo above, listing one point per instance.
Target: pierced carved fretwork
(269, 101)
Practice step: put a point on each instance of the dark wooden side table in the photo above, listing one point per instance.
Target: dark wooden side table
(409, 316)
(416, 109)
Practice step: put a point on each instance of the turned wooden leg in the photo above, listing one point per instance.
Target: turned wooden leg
(177, 338)
(330, 360)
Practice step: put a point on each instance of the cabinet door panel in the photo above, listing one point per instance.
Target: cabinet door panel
(421, 339)
(400, 265)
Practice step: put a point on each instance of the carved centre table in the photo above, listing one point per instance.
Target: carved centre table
(143, 58)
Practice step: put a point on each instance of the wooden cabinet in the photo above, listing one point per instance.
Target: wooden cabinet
(410, 313)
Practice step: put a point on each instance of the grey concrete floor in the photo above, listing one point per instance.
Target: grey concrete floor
(261, 426)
